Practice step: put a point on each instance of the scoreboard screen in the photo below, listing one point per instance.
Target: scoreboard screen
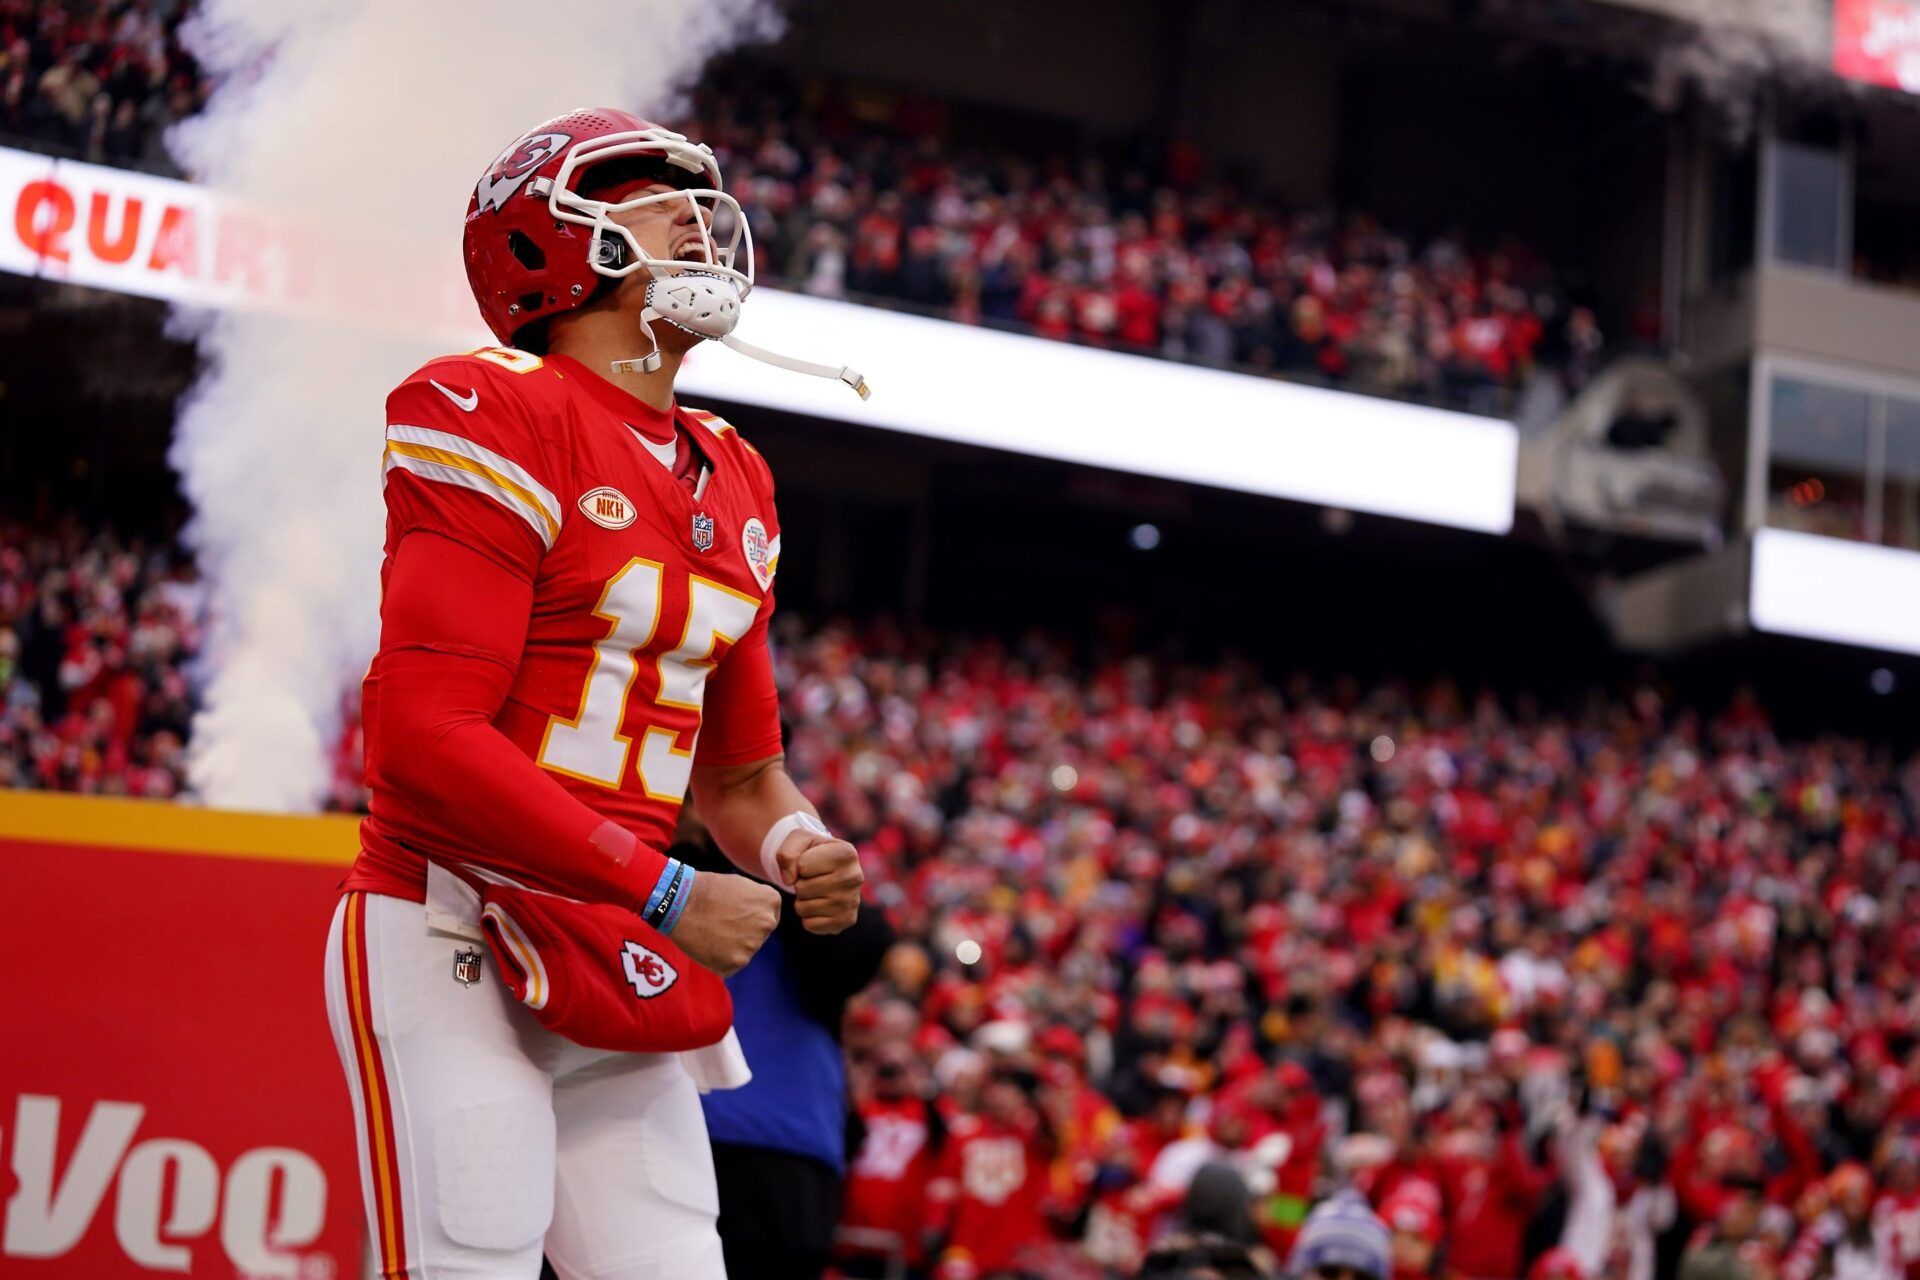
(1878, 42)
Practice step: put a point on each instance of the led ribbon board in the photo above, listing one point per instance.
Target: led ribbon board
(162, 238)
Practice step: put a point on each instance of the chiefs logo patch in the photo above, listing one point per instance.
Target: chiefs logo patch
(608, 508)
(647, 970)
(515, 165)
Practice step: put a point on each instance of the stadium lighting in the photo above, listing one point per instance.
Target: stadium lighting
(1131, 413)
(1834, 589)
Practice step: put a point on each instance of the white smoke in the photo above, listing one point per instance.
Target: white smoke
(1731, 51)
(363, 123)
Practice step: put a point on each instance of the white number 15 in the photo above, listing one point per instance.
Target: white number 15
(590, 746)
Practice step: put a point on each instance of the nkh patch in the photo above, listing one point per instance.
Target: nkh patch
(607, 507)
(702, 531)
(647, 970)
(753, 541)
(466, 966)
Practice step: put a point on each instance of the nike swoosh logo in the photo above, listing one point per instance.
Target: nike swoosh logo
(469, 402)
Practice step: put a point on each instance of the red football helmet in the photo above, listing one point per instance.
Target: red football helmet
(537, 246)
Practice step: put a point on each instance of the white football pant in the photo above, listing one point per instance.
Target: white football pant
(485, 1138)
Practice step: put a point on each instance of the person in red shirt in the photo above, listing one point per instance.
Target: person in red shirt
(1413, 1217)
(1492, 1191)
(1085, 1117)
(1896, 1215)
(884, 1205)
(1126, 1208)
(988, 1195)
(575, 596)
(1844, 1242)
(1292, 1149)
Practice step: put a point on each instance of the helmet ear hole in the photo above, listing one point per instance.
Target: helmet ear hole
(525, 251)
(530, 302)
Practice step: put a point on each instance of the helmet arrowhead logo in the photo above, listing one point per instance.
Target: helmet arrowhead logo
(515, 165)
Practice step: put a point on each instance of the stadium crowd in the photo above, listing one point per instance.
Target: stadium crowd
(101, 79)
(1157, 253)
(1624, 993)
(1160, 254)
(96, 636)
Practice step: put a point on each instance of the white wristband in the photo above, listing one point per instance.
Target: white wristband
(777, 835)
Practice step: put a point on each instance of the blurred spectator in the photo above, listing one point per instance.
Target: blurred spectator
(1732, 1246)
(1842, 1241)
(780, 1142)
(1165, 257)
(1343, 1239)
(988, 1198)
(102, 79)
(901, 1137)
(96, 636)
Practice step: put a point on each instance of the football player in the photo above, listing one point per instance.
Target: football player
(578, 576)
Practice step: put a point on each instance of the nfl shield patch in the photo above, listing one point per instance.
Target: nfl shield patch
(702, 531)
(466, 966)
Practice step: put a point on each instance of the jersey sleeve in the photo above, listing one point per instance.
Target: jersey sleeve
(452, 626)
(465, 459)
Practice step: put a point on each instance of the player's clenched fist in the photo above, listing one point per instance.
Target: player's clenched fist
(825, 876)
(726, 920)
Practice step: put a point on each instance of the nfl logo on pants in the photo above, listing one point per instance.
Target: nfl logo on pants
(466, 966)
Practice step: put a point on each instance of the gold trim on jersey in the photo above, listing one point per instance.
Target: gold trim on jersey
(452, 459)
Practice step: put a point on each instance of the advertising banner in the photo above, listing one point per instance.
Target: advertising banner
(170, 1099)
(1878, 42)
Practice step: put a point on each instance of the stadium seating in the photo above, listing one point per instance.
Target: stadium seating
(96, 79)
(1162, 258)
(1156, 256)
(1408, 937)
(96, 635)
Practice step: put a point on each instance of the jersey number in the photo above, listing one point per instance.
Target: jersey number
(590, 746)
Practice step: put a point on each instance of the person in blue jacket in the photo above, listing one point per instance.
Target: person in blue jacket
(780, 1143)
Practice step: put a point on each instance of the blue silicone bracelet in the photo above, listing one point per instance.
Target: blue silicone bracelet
(668, 874)
(677, 901)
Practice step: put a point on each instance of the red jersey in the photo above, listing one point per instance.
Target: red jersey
(887, 1185)
(1491, 1200)
(650, 596)
(987, 1192)
(1897, 1217)
(1121, 1223)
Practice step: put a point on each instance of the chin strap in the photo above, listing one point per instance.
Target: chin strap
(649, 362)
(846, 375)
